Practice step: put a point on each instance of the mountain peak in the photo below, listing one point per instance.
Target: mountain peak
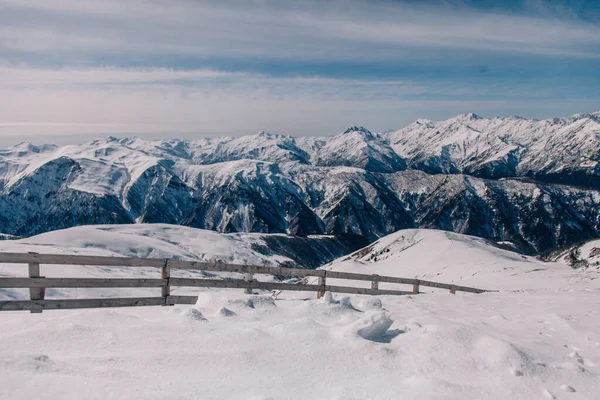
(23, 146)
(468, 116)
(595, 116)
(360, 129)
(27, 147)
(267, 135)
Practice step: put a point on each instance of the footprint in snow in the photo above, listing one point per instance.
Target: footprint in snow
(567, 388)
(581, 360)
(42, 363)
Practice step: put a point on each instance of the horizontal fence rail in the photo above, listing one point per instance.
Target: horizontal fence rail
(37, 283)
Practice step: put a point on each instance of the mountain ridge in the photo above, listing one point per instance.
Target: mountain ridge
(478, 176)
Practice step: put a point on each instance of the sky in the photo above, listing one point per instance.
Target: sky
(72, 70)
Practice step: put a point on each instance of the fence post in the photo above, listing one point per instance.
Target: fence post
(36, 293)
(416, 287)
(322, 283)
(375, 282)
(248, 277)
(165, 273)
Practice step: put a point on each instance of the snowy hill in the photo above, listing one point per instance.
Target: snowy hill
(355, 182)
(465, 260)
(180, 242)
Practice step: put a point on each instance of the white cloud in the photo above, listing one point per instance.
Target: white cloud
(29, 76)
(307, 31)
(16, 76)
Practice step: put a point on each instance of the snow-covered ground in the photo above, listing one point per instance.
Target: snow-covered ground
(537, 338)
(465, 260)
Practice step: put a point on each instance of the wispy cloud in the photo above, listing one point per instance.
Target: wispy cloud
(313, 30)
(208, 102)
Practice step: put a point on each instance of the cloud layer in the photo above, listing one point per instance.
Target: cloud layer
(296, 67)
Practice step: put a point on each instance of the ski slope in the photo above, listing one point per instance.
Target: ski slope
(537, 338)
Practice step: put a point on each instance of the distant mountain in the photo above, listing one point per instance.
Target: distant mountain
(559, 150)
(502, 179)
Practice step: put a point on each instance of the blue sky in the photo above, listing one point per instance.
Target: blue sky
(73, 69)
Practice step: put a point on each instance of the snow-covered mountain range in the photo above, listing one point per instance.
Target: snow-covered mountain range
(559, 150)
(532, 183)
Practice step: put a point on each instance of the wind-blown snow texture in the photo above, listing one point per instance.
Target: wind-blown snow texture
(356, 182)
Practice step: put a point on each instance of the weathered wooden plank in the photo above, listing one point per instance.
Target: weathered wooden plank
(146, 283)
(165, 274)
(450, 286)
(36, 293)
(322, 282)
(182, 299)
(15, 305)
(239, 284)
(62, 259)
(354, 290)
(365, 277)
(375, 282)
(243, 269)
(248, 277)
(79, 283)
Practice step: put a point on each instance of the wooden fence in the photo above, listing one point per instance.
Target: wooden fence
(37, 284)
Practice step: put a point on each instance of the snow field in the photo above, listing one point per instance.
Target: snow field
(489, 346)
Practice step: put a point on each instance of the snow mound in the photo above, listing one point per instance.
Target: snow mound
(374, 326)
(231, 303)
(339, 304)
(193, 314)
